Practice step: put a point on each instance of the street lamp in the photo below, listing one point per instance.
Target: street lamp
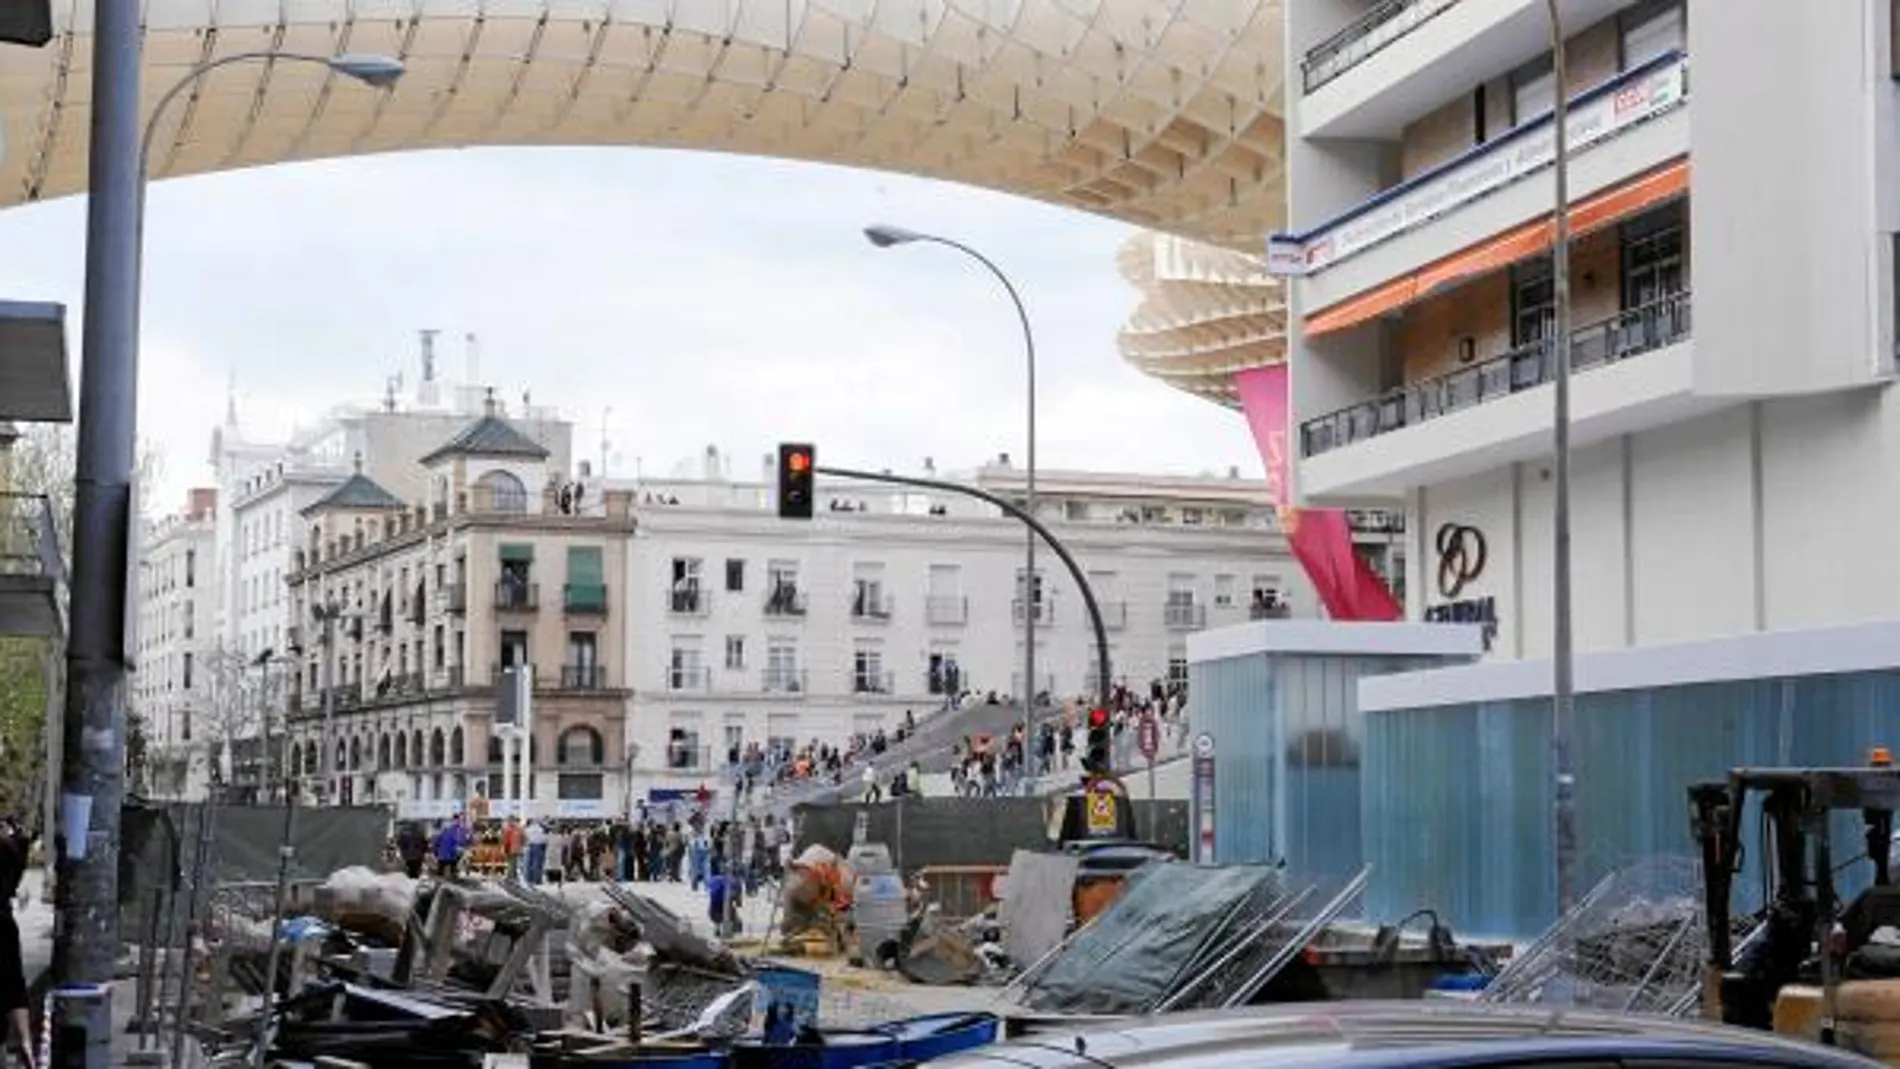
(1562, 652)
(885, 236)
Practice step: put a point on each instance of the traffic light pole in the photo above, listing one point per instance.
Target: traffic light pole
(1104, 676)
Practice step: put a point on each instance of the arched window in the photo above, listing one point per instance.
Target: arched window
(402, 749)
(416, 753)
(581, 745)
(356, 753)
(296, 758)
(382, 751)
(438, 747)
(503, 491)
(494, 749)
(456, 749)
(342, 755)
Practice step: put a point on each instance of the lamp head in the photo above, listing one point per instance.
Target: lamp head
(377, 72)
(883, 235)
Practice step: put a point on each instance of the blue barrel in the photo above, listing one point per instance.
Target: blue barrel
(919, 1039)
(833, 1050)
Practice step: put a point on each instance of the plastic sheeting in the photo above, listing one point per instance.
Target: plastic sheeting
(1036, 904)
(157, 841)
(1139, 951)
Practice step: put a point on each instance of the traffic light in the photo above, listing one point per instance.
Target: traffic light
(1098, 759)
(796, 467)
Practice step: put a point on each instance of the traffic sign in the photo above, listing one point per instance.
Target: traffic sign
(1149, 737)
(1101, 813)
(1203, 745)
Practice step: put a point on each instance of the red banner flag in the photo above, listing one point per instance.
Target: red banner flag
(1321, 539)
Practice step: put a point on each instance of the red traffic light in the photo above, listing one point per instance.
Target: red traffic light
(798, 463)
(1098, 718)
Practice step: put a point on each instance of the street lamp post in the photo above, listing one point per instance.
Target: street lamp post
(1563, 710)
(884, 236)
(92, 770)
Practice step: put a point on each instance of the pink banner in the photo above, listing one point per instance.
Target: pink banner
(1321, 539)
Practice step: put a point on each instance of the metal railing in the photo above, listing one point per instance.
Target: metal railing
(688, 677)
(1653, 326)
(873, 681)
(689, 601)
(688, 757)
(1185, 615)
(946, 610)
(782, 681)
(785, 600)
(29, 541)
(583, 677)
(870, 605)
(512, 596)
(584, 599)
(1276, 611)
(1367, 36)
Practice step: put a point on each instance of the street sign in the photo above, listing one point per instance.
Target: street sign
(1203, 745)
(1149, 736)
(1101, 813)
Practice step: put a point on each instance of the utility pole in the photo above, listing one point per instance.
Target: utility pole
(92, 766)
(1563, 718)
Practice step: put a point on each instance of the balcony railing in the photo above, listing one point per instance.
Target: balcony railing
(688, 677)
(29, 543)
(513, 596)
(1185, 615)
(946, 610)
(870, 605)
(873, 681)
(689, 601)
(785, 600)
(1367, 36)
(583, 677)
(1653, 326)
(688, 757)
(1045, 611)
(782, 681)
(584, 599)
(1275, 611)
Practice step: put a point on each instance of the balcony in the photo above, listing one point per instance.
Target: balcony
(871, 605)
(873, 681)
(1418, 235)
(688, 678)
(515, 596)
(1045, 611)
(946, 610)
(683, 756)
(1184, 615)
(455, 597)
(584, 599)
(785, 600)
(31, 570)
(782, 681)
(1494, 413)
(1406, 57)
(688, 601)
(583, 677)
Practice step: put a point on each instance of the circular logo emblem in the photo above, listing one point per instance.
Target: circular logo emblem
(1461, 553)
(1203, 745)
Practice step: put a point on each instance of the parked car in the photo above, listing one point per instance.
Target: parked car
(1402, 1035)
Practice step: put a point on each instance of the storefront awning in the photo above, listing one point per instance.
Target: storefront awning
(1630, 198)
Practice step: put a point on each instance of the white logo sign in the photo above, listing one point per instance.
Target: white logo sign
(1203, 745)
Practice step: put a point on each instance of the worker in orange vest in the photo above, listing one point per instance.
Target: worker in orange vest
(514, 843)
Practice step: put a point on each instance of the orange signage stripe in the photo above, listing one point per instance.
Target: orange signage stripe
(1636, 195)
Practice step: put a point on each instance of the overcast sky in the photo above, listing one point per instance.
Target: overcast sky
(707, 299)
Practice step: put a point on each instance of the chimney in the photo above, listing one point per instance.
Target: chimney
(1003, 459)
(488, 402)
(201, 502)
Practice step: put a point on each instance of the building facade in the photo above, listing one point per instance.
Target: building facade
(174, 684)
(751, 630)
(408, 612)
(1733, 196)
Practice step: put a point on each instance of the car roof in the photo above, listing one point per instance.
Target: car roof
(1363, 1035)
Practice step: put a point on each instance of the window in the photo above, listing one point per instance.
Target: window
(1652, 256)
(191, 568)
(1533, 302)
(1223, 591)
(1651, 30)
(945, 676)
(583, 649)
(1178, 667)
(782, 674)
(735, 576)
(514, 649)
(687, 597)
(867, 671)
(586, 580)
(735, 741)
(1533, 91)
(581, 745)
(500, 491)
(580, 787)
(682, 748)
(735, 653)
(187, 678)
(687, 670)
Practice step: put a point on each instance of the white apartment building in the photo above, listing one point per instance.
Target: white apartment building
(1728, 464)
(171, 684)
(752, 629)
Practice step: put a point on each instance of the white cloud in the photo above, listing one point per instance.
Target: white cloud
(706, 299)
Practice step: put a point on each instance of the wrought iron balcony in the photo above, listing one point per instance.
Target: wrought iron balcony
(1185, 615)
(1653, 326)
(688, 677)
(873, 681)
(783, 681)
(583, 677)
(874, 605)
(584, 599)
(515, 596)
(946, 610)
(1367, 36)
(785, 600)
(689, 601)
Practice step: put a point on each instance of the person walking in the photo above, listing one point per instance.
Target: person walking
(14, 846)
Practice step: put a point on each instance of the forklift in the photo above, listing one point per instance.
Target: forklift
(1788, 976)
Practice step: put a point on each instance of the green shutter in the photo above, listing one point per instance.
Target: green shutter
(583, 565)
(513, 552)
